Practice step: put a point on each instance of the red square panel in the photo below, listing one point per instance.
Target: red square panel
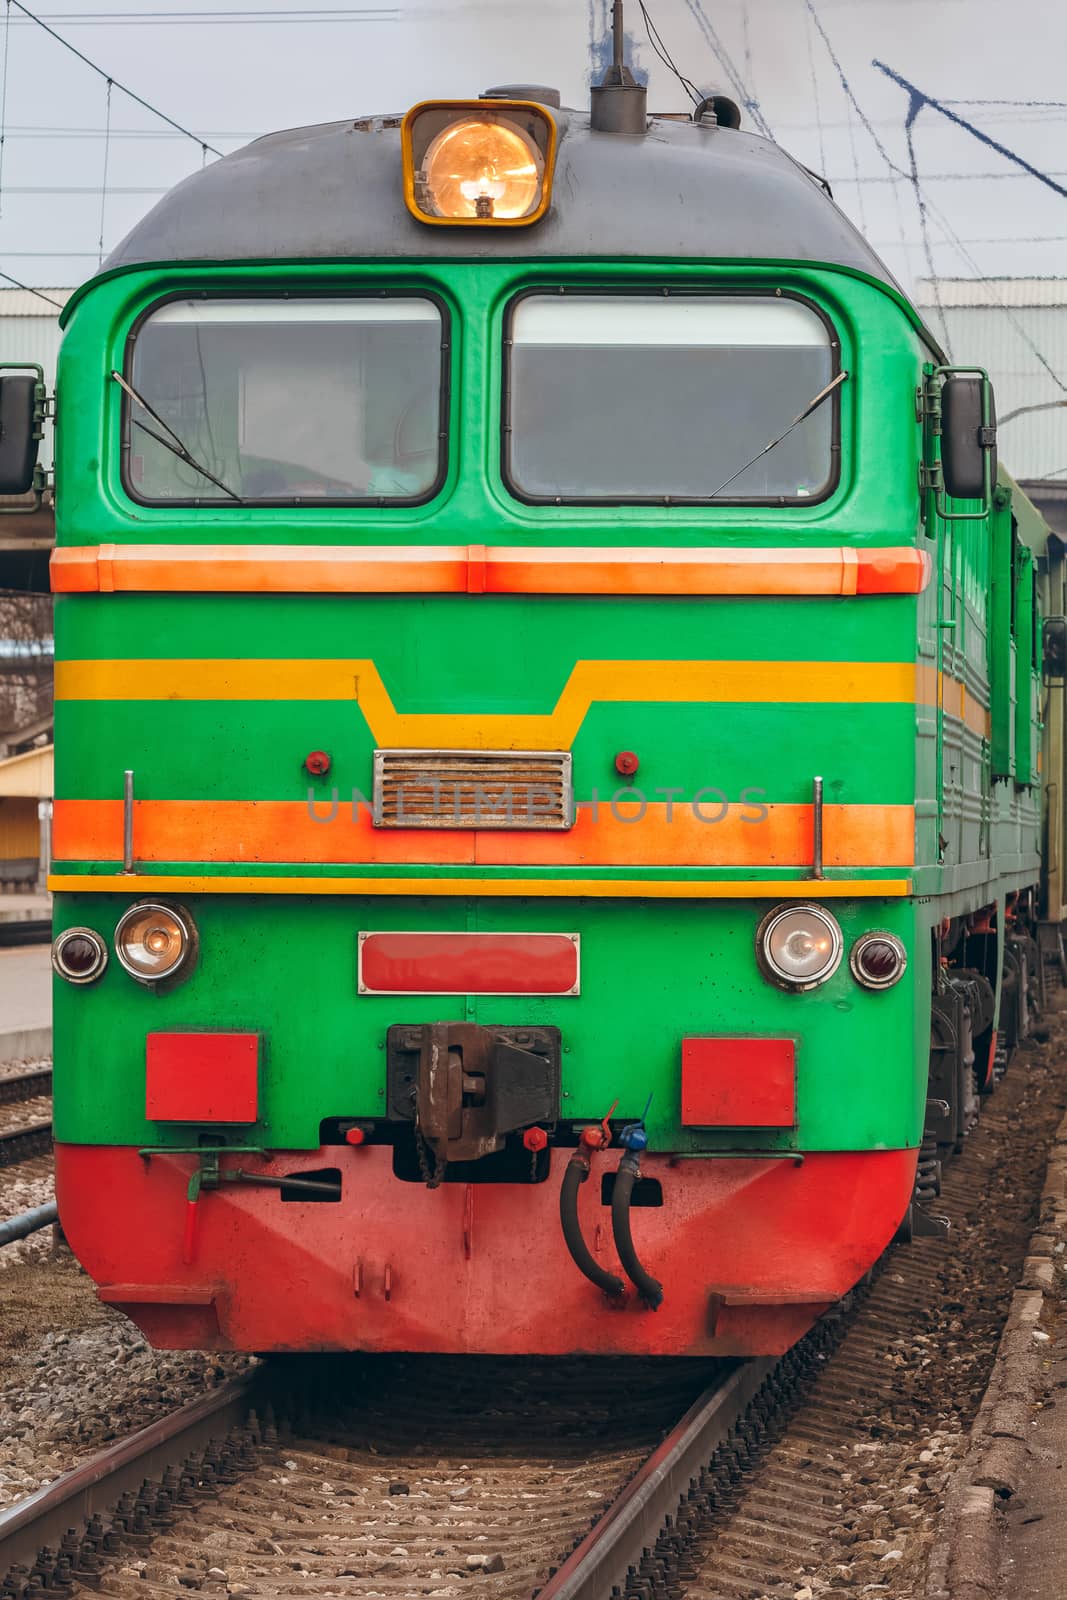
(739, 1083)
(202, 1077)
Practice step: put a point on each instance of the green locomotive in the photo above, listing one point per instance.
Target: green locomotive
(548, 686)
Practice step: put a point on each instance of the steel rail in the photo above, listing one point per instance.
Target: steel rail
(633, 1522)
(95, 1487)
(19, 1144)
(17, 1086)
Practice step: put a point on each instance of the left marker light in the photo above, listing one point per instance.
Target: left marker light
(79, 955)
(473, 164)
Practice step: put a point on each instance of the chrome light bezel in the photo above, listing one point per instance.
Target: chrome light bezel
(95, 939)
(774, 974)
(875, 985)
(182, 966)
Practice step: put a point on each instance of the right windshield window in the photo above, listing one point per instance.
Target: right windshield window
(662, 398)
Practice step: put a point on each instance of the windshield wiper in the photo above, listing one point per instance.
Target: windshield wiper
(812, 405)
(173, 443)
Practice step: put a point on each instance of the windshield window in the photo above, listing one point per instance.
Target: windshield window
(287, 400)
(630, 397)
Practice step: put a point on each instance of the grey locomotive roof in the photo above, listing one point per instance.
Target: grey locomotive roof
(336, 191)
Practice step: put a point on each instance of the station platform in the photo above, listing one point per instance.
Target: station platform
(25, 907)
(25, 1003)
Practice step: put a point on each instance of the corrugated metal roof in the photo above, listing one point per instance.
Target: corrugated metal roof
(33, 303)
(992, 292)
(28, 774)
(1017, 329)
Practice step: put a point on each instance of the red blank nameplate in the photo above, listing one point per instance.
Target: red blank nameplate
(468, 963)
(202, 1077)
(739, 1083)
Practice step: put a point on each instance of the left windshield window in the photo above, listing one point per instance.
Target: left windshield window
(286, 401)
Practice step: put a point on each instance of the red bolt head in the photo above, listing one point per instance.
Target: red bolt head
(535, 1139)
(592, 1138)
(317, 763)
(626, 763)
(355, 1136)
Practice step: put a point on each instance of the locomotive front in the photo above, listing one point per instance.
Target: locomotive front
(488, 578)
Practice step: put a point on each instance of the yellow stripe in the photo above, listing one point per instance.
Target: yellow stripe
(547, 888)
(938, 689)
(702, 682)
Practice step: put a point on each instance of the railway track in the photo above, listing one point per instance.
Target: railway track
(25, 1117)
(398, 1476)
(23, 1143)
(32, 1084)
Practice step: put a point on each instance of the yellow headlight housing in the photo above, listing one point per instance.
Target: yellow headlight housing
(478, 163)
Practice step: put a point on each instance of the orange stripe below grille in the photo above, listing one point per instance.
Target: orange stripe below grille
(284, 831)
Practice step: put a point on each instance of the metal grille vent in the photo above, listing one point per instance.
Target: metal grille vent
(473, 789)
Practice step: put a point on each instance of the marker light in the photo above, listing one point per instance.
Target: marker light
(799, 947)
(154, 942)
(79, 955)
(470, 163)
(878, 960)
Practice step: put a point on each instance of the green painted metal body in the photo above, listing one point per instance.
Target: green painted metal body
(653, 970)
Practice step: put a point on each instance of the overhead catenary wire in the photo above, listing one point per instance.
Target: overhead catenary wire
(108, 77)
(926, 207)
(18, 284)
(3, 101)
(103, 181)
(919, 99)
(722, 55)
(656, 41)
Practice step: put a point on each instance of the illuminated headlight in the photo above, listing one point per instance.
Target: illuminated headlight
(878, 960)
(79, 955)
(799, 947)
(154, 942)
(467, 163)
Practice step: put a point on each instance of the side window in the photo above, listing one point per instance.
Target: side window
(286, 401)
(631, 398)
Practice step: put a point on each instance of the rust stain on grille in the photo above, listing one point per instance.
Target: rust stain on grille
(488, 789)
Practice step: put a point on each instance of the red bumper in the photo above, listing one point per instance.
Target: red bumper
(749, 1251)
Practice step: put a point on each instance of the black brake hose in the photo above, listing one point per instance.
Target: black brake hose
(575, 1175)
(648, 1287)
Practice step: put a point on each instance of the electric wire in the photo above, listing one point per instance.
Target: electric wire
(925, 205)
(919, 99)
(656, 41)
(3, 100)
(725, 61)
(103, 182)
(108, 77)
(18, 284)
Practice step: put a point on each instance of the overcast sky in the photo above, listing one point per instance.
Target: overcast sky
(230, 69)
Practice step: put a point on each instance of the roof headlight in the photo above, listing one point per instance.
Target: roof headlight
(154, 942)
(79, 955)
(799, 946)
(465, 163)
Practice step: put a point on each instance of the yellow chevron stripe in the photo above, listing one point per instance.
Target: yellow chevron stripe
(541, 888)
(635, 682)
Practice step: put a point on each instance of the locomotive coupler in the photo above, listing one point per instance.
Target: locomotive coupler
(466, 1087)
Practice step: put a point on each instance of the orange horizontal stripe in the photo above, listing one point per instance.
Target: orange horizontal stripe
(478, 569)
(284, 831)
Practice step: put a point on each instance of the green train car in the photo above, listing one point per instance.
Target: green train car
(548, 827)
